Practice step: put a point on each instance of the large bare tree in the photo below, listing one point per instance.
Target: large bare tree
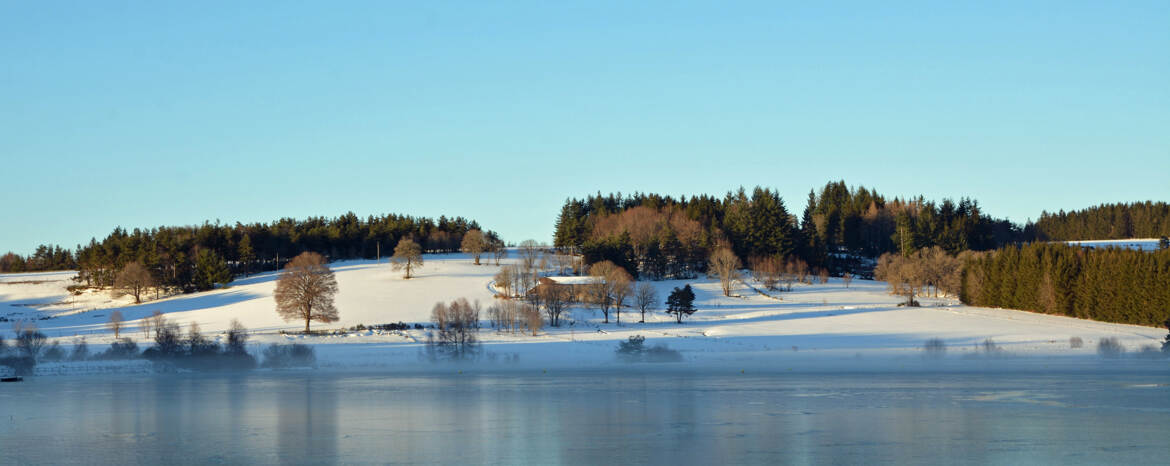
(645, 297)
(407, 256)
(474, 243)
(133, 280)
(305, 290)
(725, 265)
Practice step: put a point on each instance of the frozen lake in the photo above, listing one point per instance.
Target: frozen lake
(616, 417)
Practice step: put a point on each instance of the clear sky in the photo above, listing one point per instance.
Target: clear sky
(147, 113)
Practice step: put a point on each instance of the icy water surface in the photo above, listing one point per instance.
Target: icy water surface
(327, 417)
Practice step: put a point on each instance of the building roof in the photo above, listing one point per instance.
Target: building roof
(572, 280)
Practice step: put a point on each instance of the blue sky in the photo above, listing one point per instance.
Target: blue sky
(149, 113)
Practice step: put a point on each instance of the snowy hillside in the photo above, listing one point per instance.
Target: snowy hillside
(826, 320)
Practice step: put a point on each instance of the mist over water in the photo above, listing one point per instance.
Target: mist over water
(587, 417)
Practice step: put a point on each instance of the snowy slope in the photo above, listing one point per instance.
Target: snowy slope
(811, 320)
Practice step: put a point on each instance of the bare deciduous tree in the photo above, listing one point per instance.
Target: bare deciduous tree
(115, 323)
(606, 277)
(408, 256)
(847, 278)
(529, 254)
(144, 325)
(903, 275)
(621, 288)
(499, 251)
(133, 280)
(823, 275)
(305, 290)
(532, 319)
(505, 278)
(725, 265)
(474, 243)
(556, 299)
(157, 322)
(644, 298)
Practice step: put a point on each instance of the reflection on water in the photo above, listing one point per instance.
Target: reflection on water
(307, 421)
(587, 418)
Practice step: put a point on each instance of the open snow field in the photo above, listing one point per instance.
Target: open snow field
(821, 323)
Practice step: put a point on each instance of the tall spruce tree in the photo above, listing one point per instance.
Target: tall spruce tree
(210, 269)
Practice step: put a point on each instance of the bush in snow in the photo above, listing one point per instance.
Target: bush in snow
(1075, 342)
(123, 348)
(1110, 348)
(293, 355)
(633, 346)
(80, 350)
(53, 353)
(635, 350)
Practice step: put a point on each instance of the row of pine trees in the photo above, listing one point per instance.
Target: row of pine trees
(1106, 221)
(1111, 284)
(191, 258)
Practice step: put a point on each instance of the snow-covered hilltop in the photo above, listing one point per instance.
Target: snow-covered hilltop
(810, 322)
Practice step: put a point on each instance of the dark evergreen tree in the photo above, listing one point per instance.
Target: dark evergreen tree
(246, 254)
(210, 269)
(681, 302)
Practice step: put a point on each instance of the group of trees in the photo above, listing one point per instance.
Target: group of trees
(654, 236)
(192, 258)
(477, 243)
(772, 270)
(456, 325)
(195, 351)
(862, 222)
(1106, 221)
(46, 257)
(515, 315)
(191, 350)
(928, 270)
(1110, 284)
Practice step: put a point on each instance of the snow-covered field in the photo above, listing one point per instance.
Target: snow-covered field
(821, 323)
